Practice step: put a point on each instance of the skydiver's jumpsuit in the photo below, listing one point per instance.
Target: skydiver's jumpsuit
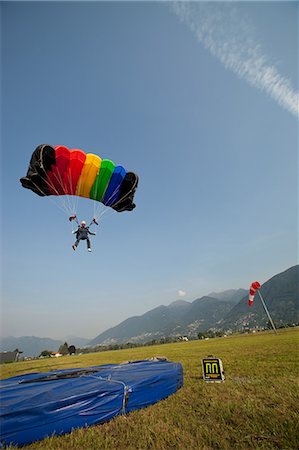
(82, 234)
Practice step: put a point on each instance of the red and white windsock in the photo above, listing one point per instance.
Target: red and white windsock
(253, 288)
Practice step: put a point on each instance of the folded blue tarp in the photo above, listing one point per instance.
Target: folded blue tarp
(37, 405)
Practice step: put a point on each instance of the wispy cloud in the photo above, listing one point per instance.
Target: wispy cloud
(182, 293)
(230, 38)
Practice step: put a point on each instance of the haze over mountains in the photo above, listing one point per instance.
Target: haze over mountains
(33, 345)
(29, 345)
(223, 311)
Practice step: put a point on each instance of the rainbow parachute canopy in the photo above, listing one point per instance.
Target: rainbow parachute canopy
(62, 171)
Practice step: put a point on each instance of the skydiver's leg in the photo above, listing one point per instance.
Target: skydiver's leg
(76, 244)
(88, 244)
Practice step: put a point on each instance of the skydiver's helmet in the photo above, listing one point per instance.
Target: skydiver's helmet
(83, 223)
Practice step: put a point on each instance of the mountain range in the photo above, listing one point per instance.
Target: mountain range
(29, 345)
(33, 345)
(281, 294)
(180, 317)
(224, 311)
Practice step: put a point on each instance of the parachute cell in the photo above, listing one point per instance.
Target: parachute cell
(88, 175)
(102, 180)
(111, 194)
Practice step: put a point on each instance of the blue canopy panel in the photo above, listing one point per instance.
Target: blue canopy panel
(112, 192)
(38, 405)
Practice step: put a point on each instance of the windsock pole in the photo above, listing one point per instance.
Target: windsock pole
(267, 312)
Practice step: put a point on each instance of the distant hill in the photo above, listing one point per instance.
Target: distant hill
(179, 318)
(75, 340)
(223, 311)
(29, 345)
(281, 294)
(153, 324)
(231, 295)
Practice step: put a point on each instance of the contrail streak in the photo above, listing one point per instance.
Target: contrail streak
(228, 37)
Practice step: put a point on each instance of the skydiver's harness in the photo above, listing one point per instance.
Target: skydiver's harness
(78, 234)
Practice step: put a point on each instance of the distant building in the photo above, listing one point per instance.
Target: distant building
(7, 357)
(55, 354)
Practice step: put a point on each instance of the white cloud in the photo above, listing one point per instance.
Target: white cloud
(182, 293)
(230, 38)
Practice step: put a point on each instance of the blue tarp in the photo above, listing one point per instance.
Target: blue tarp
(37, 405)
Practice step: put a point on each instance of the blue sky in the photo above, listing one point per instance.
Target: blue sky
(201, 101)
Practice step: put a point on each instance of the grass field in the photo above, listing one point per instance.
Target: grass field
(256, 407)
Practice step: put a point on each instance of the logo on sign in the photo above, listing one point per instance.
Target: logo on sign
(212, 369)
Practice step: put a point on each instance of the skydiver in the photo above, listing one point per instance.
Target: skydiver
(82, 233)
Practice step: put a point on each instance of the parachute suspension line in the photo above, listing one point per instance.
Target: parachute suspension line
(51, 185)
(94, 210)
(60, 204)
(77, 196)
(99, 209)
(103, 209)
(66, 199)
(62, 201)
(72, 196)
(114, 204)
(96, 204)
(49, 197)
(73, 229)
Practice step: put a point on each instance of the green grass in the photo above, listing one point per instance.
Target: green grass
(255, 408)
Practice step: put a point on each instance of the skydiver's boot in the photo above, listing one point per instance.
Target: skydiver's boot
(74, 247)
(89, 249)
